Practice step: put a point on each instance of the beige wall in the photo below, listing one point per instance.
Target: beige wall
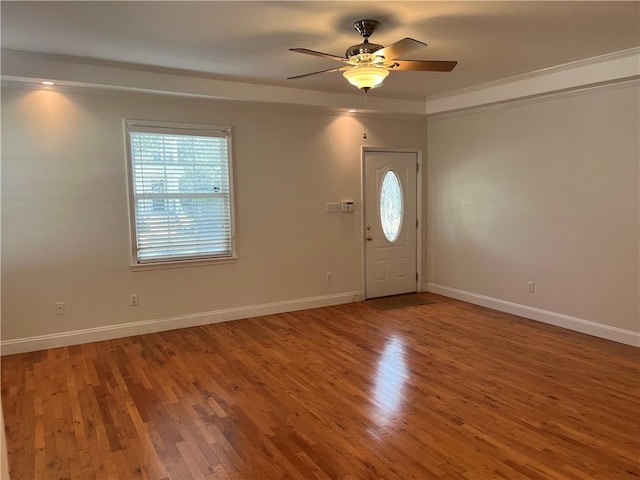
(65, 229)
(544, 191)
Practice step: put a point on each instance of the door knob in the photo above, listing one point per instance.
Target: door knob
(369, 238)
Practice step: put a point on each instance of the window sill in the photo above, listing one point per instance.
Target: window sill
(138, 267)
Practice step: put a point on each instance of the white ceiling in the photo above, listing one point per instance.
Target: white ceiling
(490, 40)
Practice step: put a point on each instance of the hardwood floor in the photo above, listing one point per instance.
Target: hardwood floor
(441, 391)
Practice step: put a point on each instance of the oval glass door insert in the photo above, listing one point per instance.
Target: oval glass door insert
(391, 207)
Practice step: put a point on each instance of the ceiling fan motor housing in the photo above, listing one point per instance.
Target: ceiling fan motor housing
(361, 48)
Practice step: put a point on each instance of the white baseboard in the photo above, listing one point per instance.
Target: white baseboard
(619, 335)
(65, 339)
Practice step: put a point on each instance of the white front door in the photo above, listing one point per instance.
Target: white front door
(390, 216)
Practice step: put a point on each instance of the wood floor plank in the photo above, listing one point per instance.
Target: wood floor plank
(447, 390)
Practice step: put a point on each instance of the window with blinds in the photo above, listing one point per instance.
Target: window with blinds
(180, 192)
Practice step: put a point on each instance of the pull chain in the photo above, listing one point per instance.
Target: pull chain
(364, 107)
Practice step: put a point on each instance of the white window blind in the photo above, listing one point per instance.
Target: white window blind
(180, 181)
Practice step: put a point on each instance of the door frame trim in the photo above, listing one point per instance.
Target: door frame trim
(419, 180)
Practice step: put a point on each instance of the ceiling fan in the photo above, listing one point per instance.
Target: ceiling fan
(368, 64)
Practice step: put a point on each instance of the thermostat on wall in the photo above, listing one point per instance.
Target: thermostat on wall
(347, 206)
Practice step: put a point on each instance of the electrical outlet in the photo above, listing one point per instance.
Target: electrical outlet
(133, 300)
(60, 308)
(531, 287)
(329, 276)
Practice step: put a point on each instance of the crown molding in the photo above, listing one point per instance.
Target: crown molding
(30, 68)
(606, 69)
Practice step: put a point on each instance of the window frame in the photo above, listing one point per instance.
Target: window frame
(131, 125)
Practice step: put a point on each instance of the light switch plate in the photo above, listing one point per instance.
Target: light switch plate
(333, 207)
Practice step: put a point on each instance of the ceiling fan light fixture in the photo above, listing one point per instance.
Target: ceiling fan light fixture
(368, 64)
(366, 77)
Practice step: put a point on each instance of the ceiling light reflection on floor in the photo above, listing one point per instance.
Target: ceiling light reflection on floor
(389, 381)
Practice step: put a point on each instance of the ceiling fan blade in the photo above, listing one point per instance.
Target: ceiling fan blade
(401, 47)
(315, 73)
(318, 54)
(424, 65)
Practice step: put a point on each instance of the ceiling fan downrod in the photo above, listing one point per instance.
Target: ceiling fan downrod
(365, 28)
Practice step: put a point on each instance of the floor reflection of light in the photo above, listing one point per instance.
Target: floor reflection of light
(390, 378)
